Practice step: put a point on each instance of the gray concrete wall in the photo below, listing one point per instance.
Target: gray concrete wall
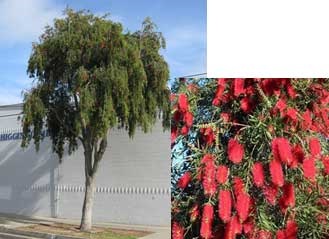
(133, 183)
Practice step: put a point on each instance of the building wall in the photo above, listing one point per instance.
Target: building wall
(133, 184)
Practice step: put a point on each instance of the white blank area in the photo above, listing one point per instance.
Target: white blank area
(258, 38)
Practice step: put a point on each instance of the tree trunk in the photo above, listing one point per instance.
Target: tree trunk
(86, 220)
(93, 154)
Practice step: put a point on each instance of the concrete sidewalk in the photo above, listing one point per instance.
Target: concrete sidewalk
(159, 234)
(13, 221)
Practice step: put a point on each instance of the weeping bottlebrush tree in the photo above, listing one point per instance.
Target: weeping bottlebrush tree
(89, 77)
(256, 159)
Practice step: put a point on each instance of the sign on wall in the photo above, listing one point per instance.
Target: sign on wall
(19, 135)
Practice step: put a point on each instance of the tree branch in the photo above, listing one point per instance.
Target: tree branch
(82, 122)
(98, 153)
(89, 151)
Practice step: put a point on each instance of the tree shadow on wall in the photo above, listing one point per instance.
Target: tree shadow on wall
(27, 179)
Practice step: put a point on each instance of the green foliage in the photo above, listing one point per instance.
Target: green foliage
(90, 76)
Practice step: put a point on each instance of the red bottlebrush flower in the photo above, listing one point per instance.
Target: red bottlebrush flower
(280, 234)
(233, 227)
(228, 234)
(177, 231)
(307, 120)
(246, 105)
(242, 206)
(292, 114)
(235, 151)
(219, 93)
(290, 90)
(208, 174)
(184, 180)
(291, 230)
(321, 219)
(281, 105)
(194, 213)
(226, 98)
(268, 86)
(188, 118)
(324, 202)
(263, 234)
(249, 86)
(265, 84)
(258, 174)
(208, 178)
(238, 186)
(177, 116)
(324, 115)
(281, 150)
(222, 174)
(320, 128)
(208, 135)
(208, 159)
(295, 153)
(184, 130)
(224, 205)
(206, 222)
(236, 225)
(316, 109)
(276, 173)
(275, 149)
(208, 182)
(221, 82)
(288, 196)
(270, 193)
(238, 87)
(315, 147)
(182, 102)
(225, 116)
(325, 161)
(216, 101)
(249, 226)
(298, 153)
(309, 169)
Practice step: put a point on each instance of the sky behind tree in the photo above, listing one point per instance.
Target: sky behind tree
(182, 22)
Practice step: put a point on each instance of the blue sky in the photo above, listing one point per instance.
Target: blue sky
(183, 23)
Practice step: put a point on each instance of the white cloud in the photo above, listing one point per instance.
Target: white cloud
(24, 20)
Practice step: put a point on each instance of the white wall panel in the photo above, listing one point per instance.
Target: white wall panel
(133, 181)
